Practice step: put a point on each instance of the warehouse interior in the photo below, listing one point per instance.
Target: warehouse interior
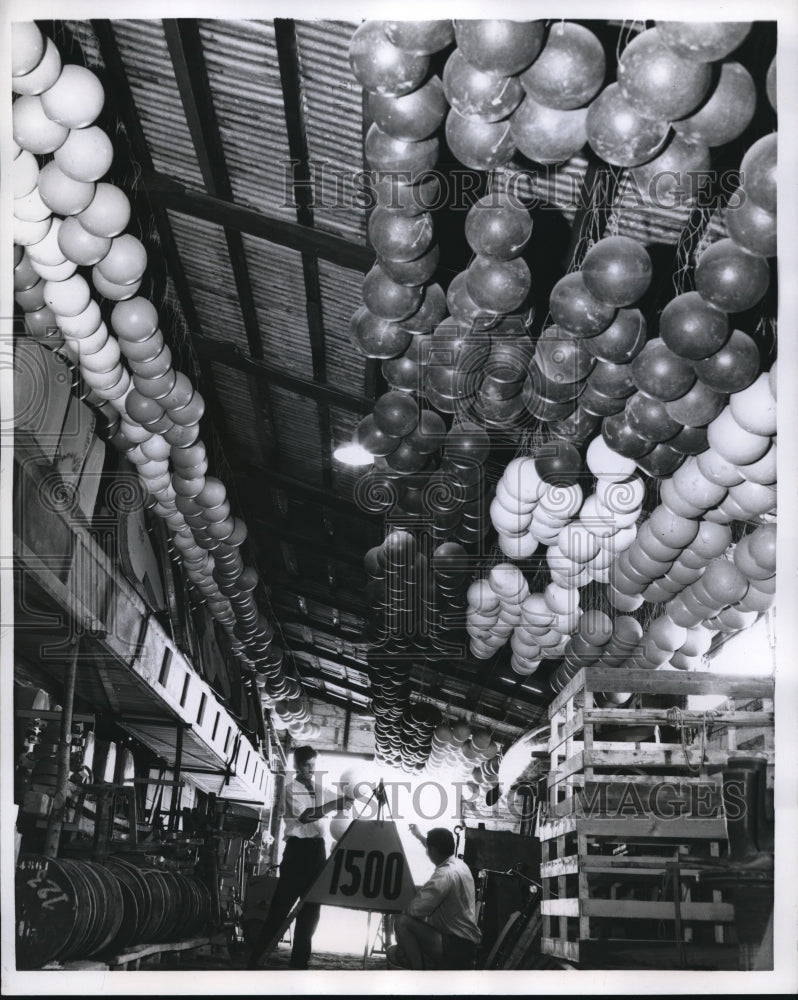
(408, 390)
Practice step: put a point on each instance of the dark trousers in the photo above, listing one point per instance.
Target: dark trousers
(303, 860)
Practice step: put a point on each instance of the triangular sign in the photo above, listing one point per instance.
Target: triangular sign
(367, 870)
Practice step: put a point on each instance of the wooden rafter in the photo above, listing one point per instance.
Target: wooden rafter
(185, 50)
(173, 195)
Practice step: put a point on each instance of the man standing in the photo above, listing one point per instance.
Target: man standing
(438, 929)
(304, 856)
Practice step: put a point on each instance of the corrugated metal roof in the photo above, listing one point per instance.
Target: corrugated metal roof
(298, 437)
(245, 425)
(245, 83)
(206, 262)
(333, 105)
(146, 60)
(340, 296)
(278, 288)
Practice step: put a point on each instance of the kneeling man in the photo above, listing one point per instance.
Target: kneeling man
(438, 929)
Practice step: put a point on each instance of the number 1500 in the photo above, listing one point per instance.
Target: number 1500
(374, 874)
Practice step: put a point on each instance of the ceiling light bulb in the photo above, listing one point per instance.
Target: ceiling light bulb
(353, 453)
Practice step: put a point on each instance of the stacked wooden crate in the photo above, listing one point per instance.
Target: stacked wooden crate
(634, 812)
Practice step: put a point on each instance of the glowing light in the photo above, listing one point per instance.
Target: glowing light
(353, 453)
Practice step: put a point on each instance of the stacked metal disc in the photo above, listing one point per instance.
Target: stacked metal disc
(68, 910)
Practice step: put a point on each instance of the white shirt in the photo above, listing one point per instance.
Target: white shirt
(297, 799)
(447, 901)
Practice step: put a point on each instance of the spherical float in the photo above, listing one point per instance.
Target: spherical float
(67, 298)
(32, 129)
(380, 66)
(478, 144)
(729, 278)
(375, 337)
(569, 70)
(75, 99)
(413, 272)
(497, 227)
(758, 169)
(622, 340)
(135, 320)
(86, 154)
(722, 582)
(603, 461)
(111, 289)
(108, 213)
(697, 407)
(548, 135)
(25, 173)
(497, 285)
(703, 41)
(387, 299)
(558, 463)
(27, 47)
(125, 262)
(657, 82)
(42, 76)
(750, 226)
(79, 245)
(419, 37)
(623, 439)
(619, 134)
(727, 112)
(395, 414)
(576, 310)
(397, 236)
(412, 116)
(407, 161)
(754, 408)
(661, 461)
(675, 176)
(733, 367)
(476, 94)
(661, 373)
(770, 83)
(732, 442)
(499, 46)
(617, 270)
(375, 441)
(31, 208)
(671, 529)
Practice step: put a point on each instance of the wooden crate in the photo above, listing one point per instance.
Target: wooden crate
(607, 879)
(579, 755)
(628, 828)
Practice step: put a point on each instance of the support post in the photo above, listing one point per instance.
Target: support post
(55, 821)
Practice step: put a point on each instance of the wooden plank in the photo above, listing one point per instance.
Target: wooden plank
(677, 682)
(137, 952)
(659, 717)
(560, 866)
(562, 908)
(566, 950)
(572, 688)
(566, 730)
(650, 755)
(631, 827)
(653, 826)
(633, 909)
(570, 766)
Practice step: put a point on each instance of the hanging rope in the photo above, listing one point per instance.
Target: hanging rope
(675, 717)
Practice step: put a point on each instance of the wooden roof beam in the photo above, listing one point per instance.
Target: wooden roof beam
(227, 353)
(171, 194)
